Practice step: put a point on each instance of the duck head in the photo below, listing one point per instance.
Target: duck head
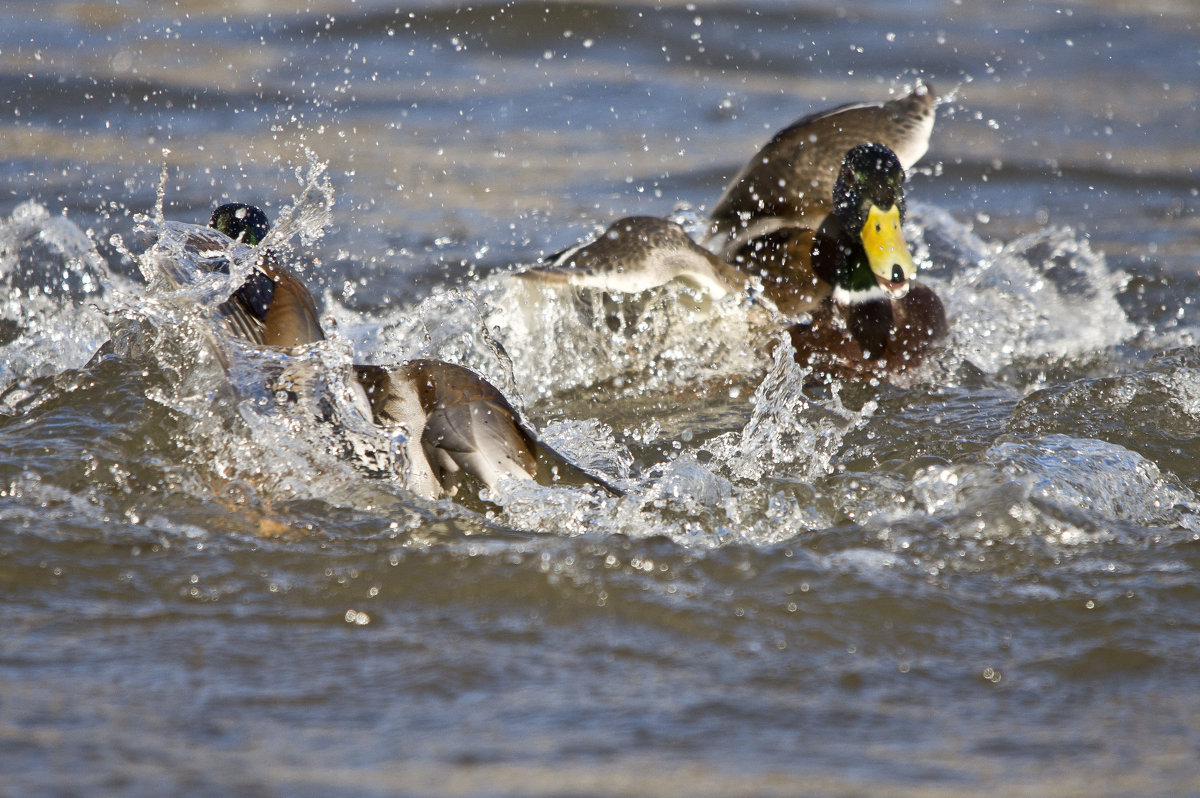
(860, 249)
(240, 222)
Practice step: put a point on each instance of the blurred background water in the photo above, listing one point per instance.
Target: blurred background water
(981, 581)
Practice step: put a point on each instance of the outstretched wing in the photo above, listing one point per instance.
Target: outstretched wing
(789, 182)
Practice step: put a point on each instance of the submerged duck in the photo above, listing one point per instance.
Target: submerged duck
(466, 429)
(252, 311)
(459, 427)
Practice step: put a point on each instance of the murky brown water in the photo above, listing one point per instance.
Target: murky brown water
(982, 581)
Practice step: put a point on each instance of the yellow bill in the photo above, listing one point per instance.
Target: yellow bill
(887, 251)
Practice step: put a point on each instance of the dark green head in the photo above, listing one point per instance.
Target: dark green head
(871, 174)
(237, 219)
(249, 225)
(867, 253)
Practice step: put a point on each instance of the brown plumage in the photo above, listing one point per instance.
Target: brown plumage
(466, 427)
(635, 254)
(764, 222)
(782, 260)
(459, 427)
(274, 308)
(852, 341)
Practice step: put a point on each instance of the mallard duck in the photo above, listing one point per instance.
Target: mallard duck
(458, 425)
(873, 318)
(765, 221)
(788, 186)
(801, 217)
(816, 215)
(635, 254)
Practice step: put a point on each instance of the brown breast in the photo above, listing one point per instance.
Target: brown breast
(858, 341)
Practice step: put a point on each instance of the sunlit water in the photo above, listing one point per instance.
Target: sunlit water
(980, 579)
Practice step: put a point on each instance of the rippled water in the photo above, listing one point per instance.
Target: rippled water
(981, 579)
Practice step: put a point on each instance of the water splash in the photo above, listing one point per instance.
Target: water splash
(591, 446)
(449, 325)
(1064, 490)
(56, 289)
(1045, 294)
(284, 425)
(1105, 481)
(564, 338)
(787, 427)
(252, 443)
(310, 213)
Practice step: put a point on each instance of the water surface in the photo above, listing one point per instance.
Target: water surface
(982, 580)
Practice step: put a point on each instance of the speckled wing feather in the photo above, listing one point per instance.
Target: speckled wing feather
(465, 426)
(636, 254)
(790, 181)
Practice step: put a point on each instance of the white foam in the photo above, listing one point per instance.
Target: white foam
(1046, 294)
